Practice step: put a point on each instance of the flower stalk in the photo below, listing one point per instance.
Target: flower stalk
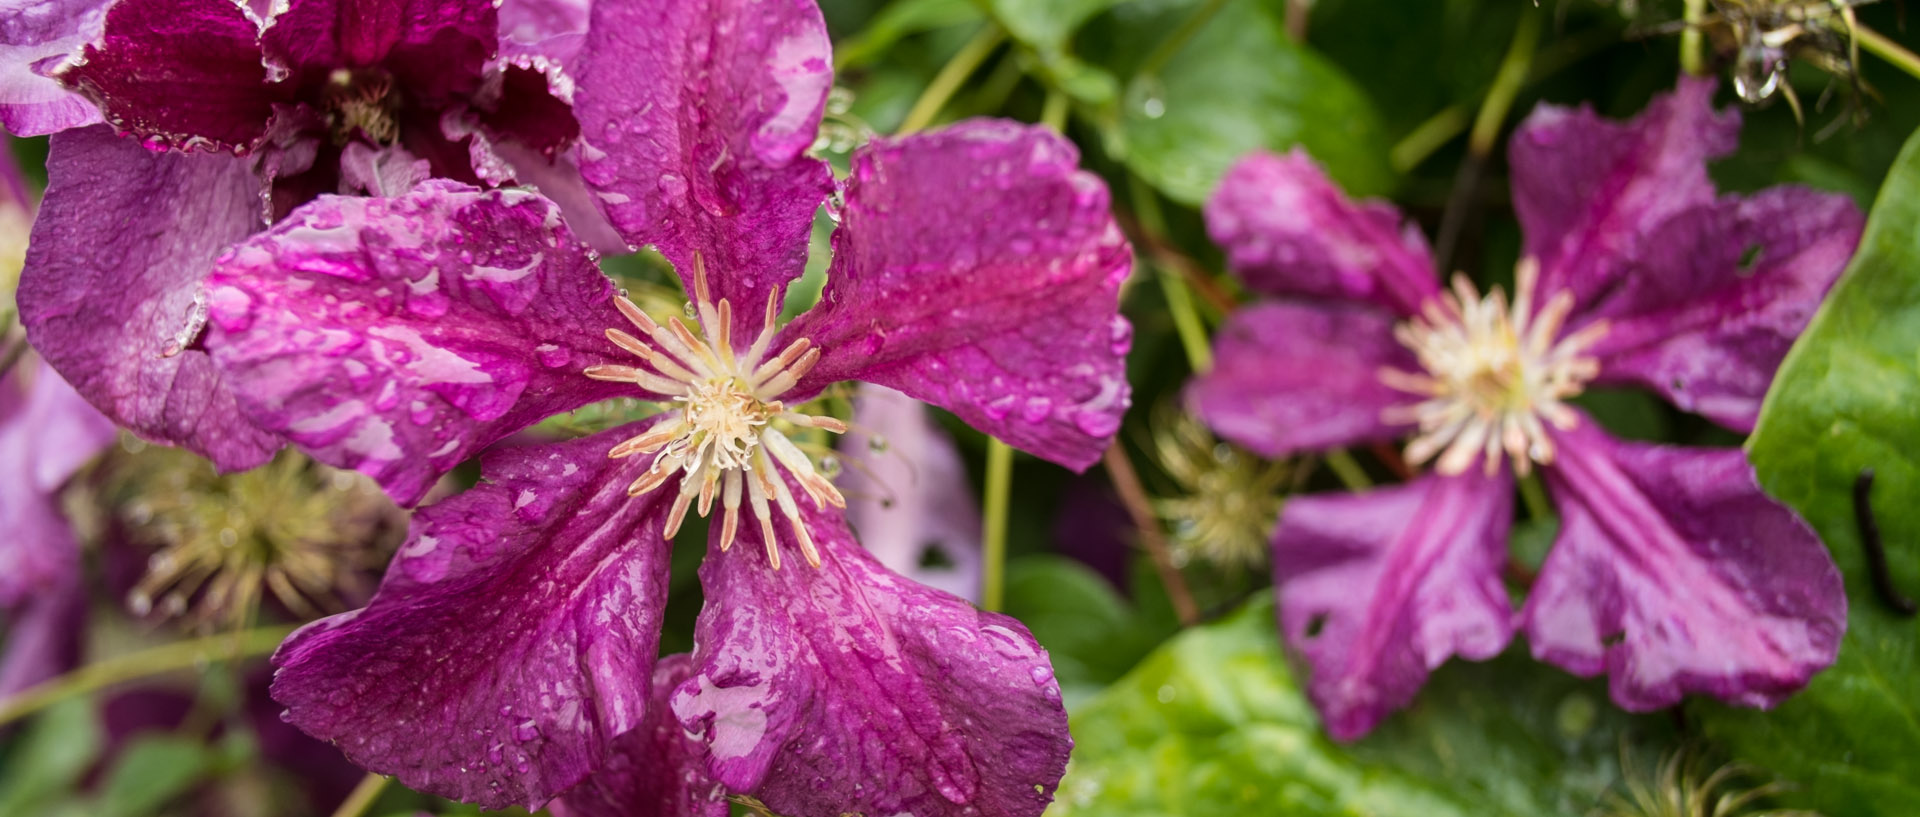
(159, 660)
(993, 512)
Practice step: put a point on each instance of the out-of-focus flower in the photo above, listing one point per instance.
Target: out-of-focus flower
(308, 535)
(907, 493)
(513, 641)
(1672, 572)
(1678, 789)
(1227, 497)
(228, 117)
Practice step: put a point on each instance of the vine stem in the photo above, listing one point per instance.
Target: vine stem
(157, 660)
(362, 796)
(1487, 124)
(1133, 495)
(993, 512)
(951, 76)
(1878, 45)
(1186, 319)
(1692, 46)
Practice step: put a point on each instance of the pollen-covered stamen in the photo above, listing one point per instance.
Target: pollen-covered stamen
(1493, 373)
(722, 435)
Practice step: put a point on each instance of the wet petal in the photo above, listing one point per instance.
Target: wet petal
(1705, 316)
(655, 770)
(434, 49)
(399, 336)
(112, 280)
(1378, 589)
(845, 688)
(696, 115)
(1673, 573)
(1591, 192)
(512, 639)
(908, 493)
(978, 268)
(47, 432)
(1289, 230)
(1290, 377)
(185, 73)
(32, 104)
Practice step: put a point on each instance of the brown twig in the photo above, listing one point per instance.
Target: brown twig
(1127, 483)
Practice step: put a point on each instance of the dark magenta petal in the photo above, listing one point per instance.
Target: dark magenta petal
(908, 493)
(184, 73)
(696, 116)
(512, 639)
(1591, 193)
(656, 770)
(1674, 574)
(978, 268)
(31, 31)
(47, 431)
(1377, 589)
(1291, 377)
(399, 336)
(1289, 230)
(42, 636)
(112, 280)
(1705, 316)
(434, 49)
(846, 688)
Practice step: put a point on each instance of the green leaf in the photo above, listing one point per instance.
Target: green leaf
(152, 770)
(1045, 25)
(898, 21)
(1241, 84)
(49, 758)
(1213, 723)
(1847, 398)
(1091, 634)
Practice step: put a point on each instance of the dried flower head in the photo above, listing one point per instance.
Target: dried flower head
(307, 533)
(1677, 789)
(1228, 498)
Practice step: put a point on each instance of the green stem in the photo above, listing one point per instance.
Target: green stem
(1692, 46)
(1186, 317)
(1054, 113)
(155, 661)
(1535, 497)
(1427, 137)
(1506, 85)
(993, 512)
(1878, 44)
(951, 76)
(1162, 53)
(1348, 470)
(362, 796)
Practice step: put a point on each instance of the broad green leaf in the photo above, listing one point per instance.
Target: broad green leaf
(152, 770)
(1091, 634)
(1240, 84)
(49, 758)
(1213, 723)
(1045, 25)
(897, 21)
(1848, 398)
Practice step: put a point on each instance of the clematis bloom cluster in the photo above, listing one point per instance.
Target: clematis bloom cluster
(1671, 572)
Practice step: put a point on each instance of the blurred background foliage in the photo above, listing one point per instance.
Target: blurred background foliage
(1181, 697)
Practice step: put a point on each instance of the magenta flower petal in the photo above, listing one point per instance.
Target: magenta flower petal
(434, 49)
(1289, 230)
(1719, 296)
(512, 639)
(1675, 574)
(185, 73)
(399, 336)
(845, 688)
(909, 495)
(695, 117)
(978, 268)
(1377, 589)
(655, 770)
(1290, 377)
(32, 104)
(47, 431)
(112, 280)
(1591, 193)
(42, 636)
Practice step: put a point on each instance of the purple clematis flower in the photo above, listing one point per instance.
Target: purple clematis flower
(230, 116)
(1672, 572)
(511, 650)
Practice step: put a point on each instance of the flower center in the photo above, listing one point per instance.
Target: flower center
(1493, 372)
(723, 434)
(362, 103)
